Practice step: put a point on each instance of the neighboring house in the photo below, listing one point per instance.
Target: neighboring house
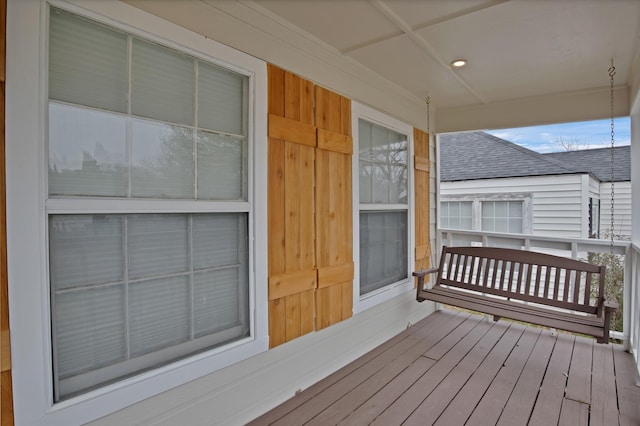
(490, 184)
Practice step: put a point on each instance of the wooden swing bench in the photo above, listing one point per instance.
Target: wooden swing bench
(536, 288)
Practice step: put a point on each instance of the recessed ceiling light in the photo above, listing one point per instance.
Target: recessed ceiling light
(459, 63)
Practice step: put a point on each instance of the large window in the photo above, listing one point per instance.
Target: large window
(509, 213)
(384, 196)
(148, 207)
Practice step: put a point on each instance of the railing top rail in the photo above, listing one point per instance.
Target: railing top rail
(532, 238)
(539, 241)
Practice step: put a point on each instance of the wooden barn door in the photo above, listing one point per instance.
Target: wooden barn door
(422, 194)
(309, 207)
(334, 233)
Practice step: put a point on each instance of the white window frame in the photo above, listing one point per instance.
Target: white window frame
(26, 171)
(369, 300)
(478, 199)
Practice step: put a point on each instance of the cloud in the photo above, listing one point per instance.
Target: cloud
(588, 135)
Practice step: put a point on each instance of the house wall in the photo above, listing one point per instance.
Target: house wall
(622, 209)
(244, 390)
(557, 202)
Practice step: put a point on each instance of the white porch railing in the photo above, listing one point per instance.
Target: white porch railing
(574, 248)
(633, 258)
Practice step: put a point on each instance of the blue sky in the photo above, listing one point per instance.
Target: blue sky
(586, 134)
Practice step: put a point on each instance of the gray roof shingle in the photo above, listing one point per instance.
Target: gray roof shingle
(479, 155)
(598, 162)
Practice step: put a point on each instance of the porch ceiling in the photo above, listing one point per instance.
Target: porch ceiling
(516, 50)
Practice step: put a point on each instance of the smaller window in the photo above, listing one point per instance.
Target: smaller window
(594, 218)
(384, 206)
(502, 216)
(456, 214)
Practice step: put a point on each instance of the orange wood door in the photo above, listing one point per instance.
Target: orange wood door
(292, 270)
(334, 229)
(422, 196)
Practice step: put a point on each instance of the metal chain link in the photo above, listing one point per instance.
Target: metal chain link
(428, 101)
(612, 72)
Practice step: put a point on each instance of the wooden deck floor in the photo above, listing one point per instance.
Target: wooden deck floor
(454, 368)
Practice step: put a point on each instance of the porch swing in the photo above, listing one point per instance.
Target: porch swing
(542, 289)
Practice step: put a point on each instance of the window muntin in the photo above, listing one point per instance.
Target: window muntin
(147, 284)
(502, 216)
(384, 209)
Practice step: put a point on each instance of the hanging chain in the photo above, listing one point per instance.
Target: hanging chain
(428, 101)
(612, 72)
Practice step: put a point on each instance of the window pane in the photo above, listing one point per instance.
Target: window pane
(488, 209)
(220, 99)
(159, 307)
(383, 164)
(383, 249)
(163, 165)
(89, 326)
(466, 209)
(216, 239)
(159, 311)
(162, 83)
(85, 250)
(217, 298)
(87, 152)
(158, 245)
(87, 63)
(502, 209)
(515, 225)
(222, 164)
(515, 209)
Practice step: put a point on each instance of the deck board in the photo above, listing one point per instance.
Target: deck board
(578, 383)
(454, 368)
(470, 395)
(400, 409)
(549, 402)
(628, 391)
(431, 408)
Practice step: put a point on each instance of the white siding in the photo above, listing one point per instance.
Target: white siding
(622, 209)
(557, 202)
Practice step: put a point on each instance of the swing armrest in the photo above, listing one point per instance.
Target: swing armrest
(421, 274)
(610, 305)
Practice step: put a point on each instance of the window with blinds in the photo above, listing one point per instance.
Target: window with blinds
(148, 207)
(384, 208)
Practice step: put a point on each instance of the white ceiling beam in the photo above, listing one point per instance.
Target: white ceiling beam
(585, 105)
(459, 14)
(439, 20)
(424, 45)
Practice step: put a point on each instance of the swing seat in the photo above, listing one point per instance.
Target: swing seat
(536, 288)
